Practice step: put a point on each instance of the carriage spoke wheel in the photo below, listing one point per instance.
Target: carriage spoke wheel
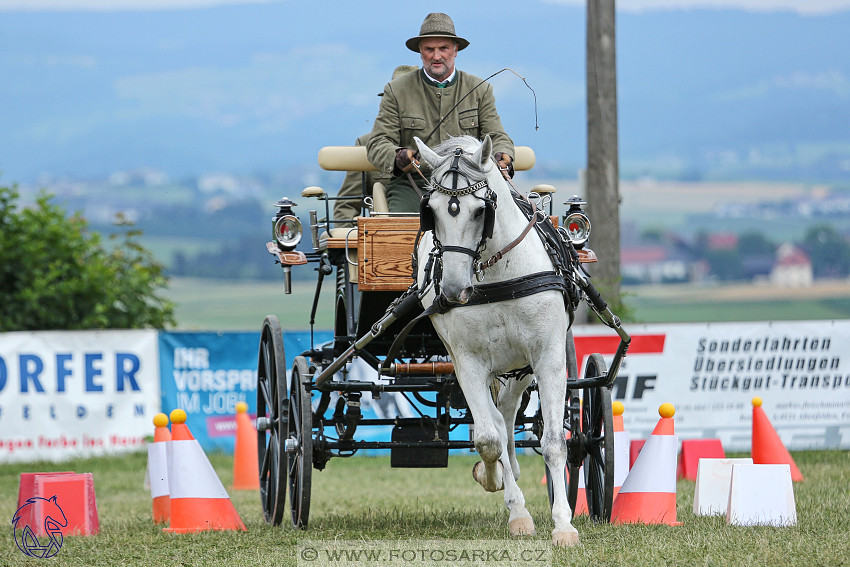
(272, 422)
(299, 446)
(597, 424)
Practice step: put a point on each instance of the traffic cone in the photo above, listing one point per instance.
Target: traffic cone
(199, 501)
(767, 447)
(246, 470)
(158, 470)
(648, 494)
(622, 448)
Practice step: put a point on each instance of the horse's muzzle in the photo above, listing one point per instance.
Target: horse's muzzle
(459, 298)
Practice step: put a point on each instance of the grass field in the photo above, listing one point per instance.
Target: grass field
(363, 499)
(219, 305)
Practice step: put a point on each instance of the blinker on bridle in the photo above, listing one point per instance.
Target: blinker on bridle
(454, 192)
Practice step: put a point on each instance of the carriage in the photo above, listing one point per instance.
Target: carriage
(312, 414)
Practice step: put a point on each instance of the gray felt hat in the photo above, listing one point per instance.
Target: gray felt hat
(436, 24)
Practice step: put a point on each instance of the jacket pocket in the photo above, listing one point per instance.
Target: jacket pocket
(468, 119)
(413, 122)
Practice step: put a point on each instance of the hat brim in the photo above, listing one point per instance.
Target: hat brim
(413, 43)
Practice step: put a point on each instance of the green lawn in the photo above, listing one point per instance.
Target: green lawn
(363, 499)
(217, 305)
(651, 310)
(221, 305)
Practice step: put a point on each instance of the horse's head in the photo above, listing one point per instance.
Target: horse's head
(460, 209)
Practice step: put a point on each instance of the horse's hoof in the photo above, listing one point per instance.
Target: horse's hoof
(480, 476)
(565, 538)
(521, 527)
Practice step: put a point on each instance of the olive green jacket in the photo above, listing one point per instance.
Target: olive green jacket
(412, 106)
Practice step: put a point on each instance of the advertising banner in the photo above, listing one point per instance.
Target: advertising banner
(207, 374)
(80, 393)
(711, 373)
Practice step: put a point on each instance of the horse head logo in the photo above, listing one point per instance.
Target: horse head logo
(54, 521)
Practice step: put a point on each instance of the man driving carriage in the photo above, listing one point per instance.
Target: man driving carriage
(433, 104)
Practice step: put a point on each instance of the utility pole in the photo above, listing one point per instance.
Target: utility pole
(603, 190)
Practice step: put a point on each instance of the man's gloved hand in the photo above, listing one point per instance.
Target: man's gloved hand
(505, 163)
(404, 160)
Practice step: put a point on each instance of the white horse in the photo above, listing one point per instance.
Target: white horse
(470, 198)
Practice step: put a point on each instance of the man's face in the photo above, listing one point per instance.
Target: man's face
(438, 56)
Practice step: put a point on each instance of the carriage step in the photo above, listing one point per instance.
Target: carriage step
(417, 457)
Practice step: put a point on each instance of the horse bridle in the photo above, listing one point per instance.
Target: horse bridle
(426, 215)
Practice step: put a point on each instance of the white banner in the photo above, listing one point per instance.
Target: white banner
(711, 373)
(66, 394)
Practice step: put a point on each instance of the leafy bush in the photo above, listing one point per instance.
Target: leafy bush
(56, 274)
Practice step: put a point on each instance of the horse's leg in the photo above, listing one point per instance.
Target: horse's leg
(489, 437)
(519, 521)
(499, 474)
(552, 387)
(509, 399)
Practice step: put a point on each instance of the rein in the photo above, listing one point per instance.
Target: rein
(479, 270)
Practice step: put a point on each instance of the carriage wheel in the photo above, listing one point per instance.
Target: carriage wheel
(597, 424)
(272, 421)
(300, 445)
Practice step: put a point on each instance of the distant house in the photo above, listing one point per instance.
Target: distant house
(792, 268)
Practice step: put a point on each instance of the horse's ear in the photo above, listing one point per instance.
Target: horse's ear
(482, 156)
(430, 157)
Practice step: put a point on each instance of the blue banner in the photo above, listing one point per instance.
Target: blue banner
(206, 374)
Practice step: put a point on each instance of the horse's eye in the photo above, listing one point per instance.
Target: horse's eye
(479, 212)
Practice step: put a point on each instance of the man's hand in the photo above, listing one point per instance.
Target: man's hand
(405, 159)
(505, 164)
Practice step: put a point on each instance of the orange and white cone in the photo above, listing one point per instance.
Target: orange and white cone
(246, 468)
(767, 447)
(622, 448)
(648, 495)
(158, 470)
(199, 501)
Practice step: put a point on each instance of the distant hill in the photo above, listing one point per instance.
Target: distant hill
(260, 88)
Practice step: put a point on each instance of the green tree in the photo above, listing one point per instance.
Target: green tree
(56, 274)
(828, 251)
(755, 244)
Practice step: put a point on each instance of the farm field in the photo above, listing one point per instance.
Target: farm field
(221, 305)
(363, 499)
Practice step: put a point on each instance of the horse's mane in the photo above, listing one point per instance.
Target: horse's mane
(470, 145)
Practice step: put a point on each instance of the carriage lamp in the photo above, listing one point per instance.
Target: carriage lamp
(287, 226)
(286, 230)
(576, 223)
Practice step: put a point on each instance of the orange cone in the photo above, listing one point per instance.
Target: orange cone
(246, 470)
(199, 501)
(622, 448)
(158, 470)
(767, 447)
(648, 495)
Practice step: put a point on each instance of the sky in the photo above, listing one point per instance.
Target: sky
(800, 6)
